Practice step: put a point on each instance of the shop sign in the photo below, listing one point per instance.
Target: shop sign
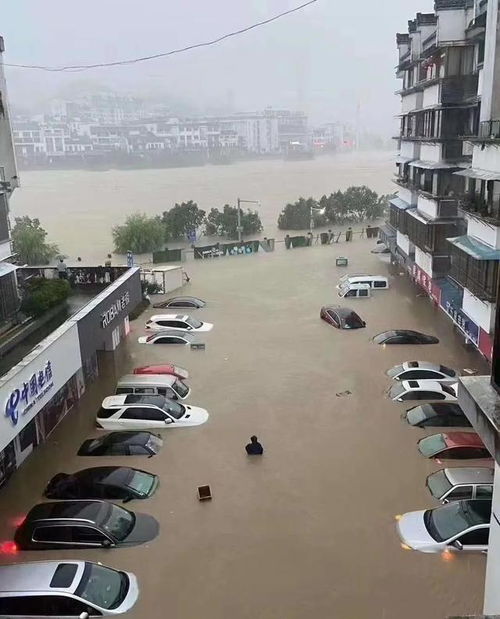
(461, 319)
(22, 399)
(422, 278)
(118, 306)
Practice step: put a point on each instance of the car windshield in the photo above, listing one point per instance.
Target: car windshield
(397, 369)
(353, 321)
(181, 388)
(141, 482)
(416, 415)
(450, 520)
(449, 390)
(154, 443)
(102, 586)
(438, 484)
(382, 337)
(432, 445)
(193, 322)
(397, 391)
(116, 521)
(174, 409)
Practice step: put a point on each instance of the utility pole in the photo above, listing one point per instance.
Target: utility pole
(239, 201)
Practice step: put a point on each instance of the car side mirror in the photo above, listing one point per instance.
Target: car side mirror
(106, 543)
(364, 323)
(400, 399)
(83, 615)
(458, 545)
(168, 421)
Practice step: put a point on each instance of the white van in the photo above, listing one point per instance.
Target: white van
(376, 282)
(354, 290)
(153, 384)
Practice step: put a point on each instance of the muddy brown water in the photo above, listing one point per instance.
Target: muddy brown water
(307, 530)
(78, 208)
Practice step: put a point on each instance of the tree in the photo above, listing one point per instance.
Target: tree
(139, 234)
(42, 294)
(29, 244)
(183, 218)
(297, 216)
(225, 223)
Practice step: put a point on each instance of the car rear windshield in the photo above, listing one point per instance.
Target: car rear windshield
(413, 364)
(416, 415)
(353, 321)
(438, 484)
(154, 443)
(116, 521)
(432, 445)
(382, 337)
(141, 482)
(397, 369)
(397, 390)
(181, 388)
(450, 520)
(447, 371)
(103, 586)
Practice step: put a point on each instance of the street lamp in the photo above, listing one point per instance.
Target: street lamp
(319, 210)
(239, 214)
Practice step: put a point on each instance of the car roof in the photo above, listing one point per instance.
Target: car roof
(432, 385)
(117, 401)
(171, 332)
(169, 317)
(353, 277)
(113, 475)
(185, 299)
(131, 437)
(161, 380)
(470, 475)
(440, 408)
(37, 576)
(342, 312)
(461, 439)
(83, 510)
(421, 365)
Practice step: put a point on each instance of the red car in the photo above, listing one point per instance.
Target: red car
(166, 368)
(341, 317)
(453, 445)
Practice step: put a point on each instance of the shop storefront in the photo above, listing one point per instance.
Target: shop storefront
(36, 394)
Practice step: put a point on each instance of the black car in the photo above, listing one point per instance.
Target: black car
(403, 336)
(440, 415)
(127, 443)
(103, 482)
(341, 317)
(192, 302)
(83, 524)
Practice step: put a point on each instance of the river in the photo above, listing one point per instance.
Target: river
(78, 208)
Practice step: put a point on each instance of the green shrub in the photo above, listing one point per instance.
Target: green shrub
(42, 294)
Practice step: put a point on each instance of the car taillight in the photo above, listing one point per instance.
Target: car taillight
(18, 521)
(8, 548)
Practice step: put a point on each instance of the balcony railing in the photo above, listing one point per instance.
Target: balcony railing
(476, 205)
(480, 279)
(458, 88)
(489, 129)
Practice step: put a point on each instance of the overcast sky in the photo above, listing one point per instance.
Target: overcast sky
(323, 59)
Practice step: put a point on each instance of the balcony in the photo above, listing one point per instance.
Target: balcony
(489, 131)
(430, 236)
(474, 266)
(487, 210)
(458, 89)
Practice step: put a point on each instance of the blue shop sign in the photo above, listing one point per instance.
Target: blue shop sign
(22, 399)
(461, 319)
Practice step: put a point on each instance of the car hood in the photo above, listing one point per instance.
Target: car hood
(194, 416)
(131, 597)
(206, 326)
(413, 532)
(146, 528)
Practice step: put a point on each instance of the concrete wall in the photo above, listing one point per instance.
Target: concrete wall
(481, 312)
(490, 100)
(403, 242)
(5, 250)
(431, 96)
(409, 102)
(482, 231)
(430, 152)
(451, 25)
(7, 157)
(409, 149)
(427, 206)
(408, 196)
(492, 589)
(423, 260)
(487, 158)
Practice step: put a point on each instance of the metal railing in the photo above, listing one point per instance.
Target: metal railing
(489, 129)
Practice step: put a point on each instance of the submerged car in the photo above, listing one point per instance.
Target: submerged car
(422, 390)
(453, 445)
(460, 525)
(163, 368)
(65, 589)
(404, 336)
(83, 524)
(422, 370)
(341, 317)
(180, 322)
(381, 249)
(169, 336)
(122, 444)
(455, 484)
(103, 482)
(146, 412)
(441, 415)
(191, 302)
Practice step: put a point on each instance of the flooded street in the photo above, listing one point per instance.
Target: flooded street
(307, 530)
(93, 202)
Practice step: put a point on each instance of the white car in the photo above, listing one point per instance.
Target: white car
(429, 390)
(145, 412)
(180, 322)
(422, 370)
(460, 525)
(168, 336)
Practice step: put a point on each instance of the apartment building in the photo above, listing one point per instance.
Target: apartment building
(9, 300)
(441, 225)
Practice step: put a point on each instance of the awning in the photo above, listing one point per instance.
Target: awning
(433, 165)
(401, 159)
(476, 249)
(6, 268)
(398, 203)
(413, 212)
(386, 231)
(483, 175)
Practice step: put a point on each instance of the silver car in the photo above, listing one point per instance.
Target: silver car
(65, 589)
(457, 526)
(455, 484)
(422, 370)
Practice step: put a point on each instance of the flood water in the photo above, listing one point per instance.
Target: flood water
(307, 530)
(79, 208)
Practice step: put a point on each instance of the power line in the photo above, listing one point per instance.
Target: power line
(85, 67)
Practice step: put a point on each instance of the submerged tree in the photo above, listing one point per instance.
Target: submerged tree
(139, 234)
(183, 218)
(297, 216)
(29, 244)
(225, 223)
